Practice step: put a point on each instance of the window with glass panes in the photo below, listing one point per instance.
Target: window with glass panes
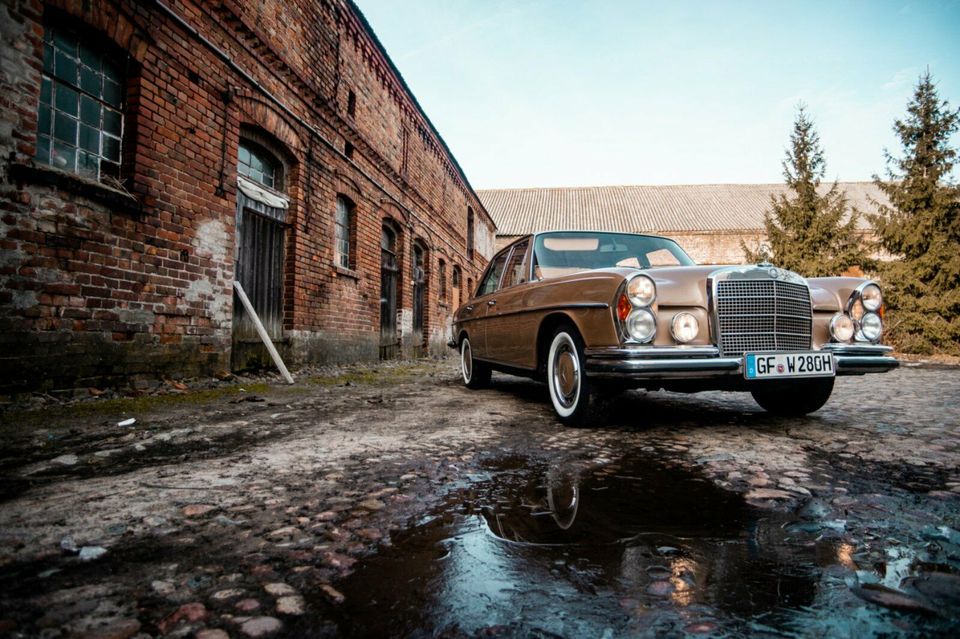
(80, 119)
(259, 165)
(442, 272)
(342, 236)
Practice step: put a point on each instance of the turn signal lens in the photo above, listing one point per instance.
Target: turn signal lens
(841, 328)
(623, 307)
(641, 325)
(641, 290)
(684, 327)
(871, 326)
(871, 296)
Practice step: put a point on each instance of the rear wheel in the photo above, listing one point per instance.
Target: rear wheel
(570, 390)
(475, 374)
(795, 397)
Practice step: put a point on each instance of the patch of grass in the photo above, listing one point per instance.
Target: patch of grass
(123, 406)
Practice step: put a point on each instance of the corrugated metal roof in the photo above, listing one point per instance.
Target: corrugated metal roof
(664, 209)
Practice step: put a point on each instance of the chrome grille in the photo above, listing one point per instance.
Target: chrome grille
(763, 315)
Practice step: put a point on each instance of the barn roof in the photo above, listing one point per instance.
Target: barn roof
(663, 209)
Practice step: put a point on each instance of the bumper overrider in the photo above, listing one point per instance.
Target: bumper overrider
(699, 362)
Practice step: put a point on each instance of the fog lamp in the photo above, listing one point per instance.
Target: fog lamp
(842, 327)
(641, 325)
(641, 290)
(684, 327)
(871, 326)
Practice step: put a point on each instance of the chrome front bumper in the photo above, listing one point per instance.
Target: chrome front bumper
(703, 362)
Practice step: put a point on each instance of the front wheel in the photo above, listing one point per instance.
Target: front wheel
(475, 374)
(793, 398)
(570, 390)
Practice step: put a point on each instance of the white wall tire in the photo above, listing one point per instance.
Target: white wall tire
(474, 374)
(566, 378)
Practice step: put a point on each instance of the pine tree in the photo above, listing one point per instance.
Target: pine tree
(806, 231)
(921, 227)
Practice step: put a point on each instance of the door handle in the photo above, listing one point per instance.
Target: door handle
(492, 303)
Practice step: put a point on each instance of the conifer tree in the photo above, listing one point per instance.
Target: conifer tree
(807, 231)
(920, 227)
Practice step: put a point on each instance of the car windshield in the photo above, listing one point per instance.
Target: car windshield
(563, 253)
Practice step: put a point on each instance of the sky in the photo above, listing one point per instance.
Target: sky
(534, 93)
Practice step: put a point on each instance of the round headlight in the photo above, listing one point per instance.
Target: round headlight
(641, 325)
(871, 326)
(684, 327)
(641, 290)
(871, 296)
(841, 327)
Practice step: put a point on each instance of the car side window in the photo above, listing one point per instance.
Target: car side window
(492, 278)
(514, 270)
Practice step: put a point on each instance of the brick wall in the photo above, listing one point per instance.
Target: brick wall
(101, 283)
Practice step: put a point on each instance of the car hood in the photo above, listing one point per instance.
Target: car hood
(686, 285)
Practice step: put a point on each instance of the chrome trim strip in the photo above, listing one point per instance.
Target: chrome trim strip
(701, 362)
(859, 364)
(867, 349)
(665, 368)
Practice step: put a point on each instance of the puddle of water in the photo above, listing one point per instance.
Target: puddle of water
(633, 548)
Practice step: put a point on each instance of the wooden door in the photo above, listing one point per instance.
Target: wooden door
(261, 231)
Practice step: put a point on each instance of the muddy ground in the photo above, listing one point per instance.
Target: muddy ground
(391, 501)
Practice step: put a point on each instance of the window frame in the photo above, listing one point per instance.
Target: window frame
(442, 280)
(489, 271)
(264, 156)
(349, 208)
(523, 244)
(94, 65)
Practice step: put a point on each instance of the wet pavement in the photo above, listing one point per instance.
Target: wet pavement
(397, 503)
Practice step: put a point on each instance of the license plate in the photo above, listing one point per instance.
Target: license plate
(779, 365)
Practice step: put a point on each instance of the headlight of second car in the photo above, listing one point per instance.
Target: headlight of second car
(641, 325)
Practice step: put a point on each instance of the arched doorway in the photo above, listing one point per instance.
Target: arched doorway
(389, 337)
(261, 236)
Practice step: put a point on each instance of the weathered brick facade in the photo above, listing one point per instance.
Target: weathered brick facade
(104, 281)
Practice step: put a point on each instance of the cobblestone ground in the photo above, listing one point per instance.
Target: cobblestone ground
(240, 512)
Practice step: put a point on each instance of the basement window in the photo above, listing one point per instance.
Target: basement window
(80, 117)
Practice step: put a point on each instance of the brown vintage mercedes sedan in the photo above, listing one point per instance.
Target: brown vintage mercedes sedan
(599, 312)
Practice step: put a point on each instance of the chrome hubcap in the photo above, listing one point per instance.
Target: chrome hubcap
(566, 374)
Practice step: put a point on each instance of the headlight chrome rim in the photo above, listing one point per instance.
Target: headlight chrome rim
(842, 328)
(644, 320)
(641, 290)
(684, 327)
(871, 327)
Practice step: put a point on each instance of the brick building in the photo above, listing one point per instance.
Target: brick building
(154, 152)
(707, 220)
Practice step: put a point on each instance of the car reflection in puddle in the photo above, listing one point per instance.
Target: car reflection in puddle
(632, 548)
